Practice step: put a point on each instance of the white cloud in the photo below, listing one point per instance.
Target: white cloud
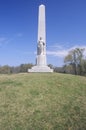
(4, 41)
(56, 46)
(63, 51)
(59, 53)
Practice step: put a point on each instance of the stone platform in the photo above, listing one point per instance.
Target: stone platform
(40, 69)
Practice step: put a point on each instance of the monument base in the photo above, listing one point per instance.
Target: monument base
(40, 69)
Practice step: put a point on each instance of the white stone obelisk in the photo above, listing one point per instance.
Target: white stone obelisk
(41, 63)
(41, 47)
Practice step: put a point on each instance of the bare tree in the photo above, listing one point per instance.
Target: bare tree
(75, 58)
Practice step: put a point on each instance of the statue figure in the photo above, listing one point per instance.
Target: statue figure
(40, 48)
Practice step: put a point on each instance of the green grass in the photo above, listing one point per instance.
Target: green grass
(42, 101)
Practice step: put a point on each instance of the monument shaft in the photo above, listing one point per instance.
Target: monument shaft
(41, 64)
(41, 23)
(41, 47)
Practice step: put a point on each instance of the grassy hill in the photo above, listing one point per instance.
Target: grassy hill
(42, 101)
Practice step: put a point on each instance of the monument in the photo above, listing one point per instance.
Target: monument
(41, 61)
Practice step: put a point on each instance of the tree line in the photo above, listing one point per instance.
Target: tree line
(74, 63)
(18, 69)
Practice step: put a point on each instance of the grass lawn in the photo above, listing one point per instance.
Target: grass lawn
(42, 101)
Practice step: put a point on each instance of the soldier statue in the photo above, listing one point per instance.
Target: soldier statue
(40, 47)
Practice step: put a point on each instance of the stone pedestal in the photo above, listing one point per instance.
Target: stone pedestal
(40, 69)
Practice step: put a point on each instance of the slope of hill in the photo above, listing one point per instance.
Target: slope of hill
(42, 101)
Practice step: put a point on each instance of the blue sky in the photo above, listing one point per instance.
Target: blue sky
(65, 26)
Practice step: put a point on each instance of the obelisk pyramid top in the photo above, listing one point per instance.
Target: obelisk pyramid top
(42, 5)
